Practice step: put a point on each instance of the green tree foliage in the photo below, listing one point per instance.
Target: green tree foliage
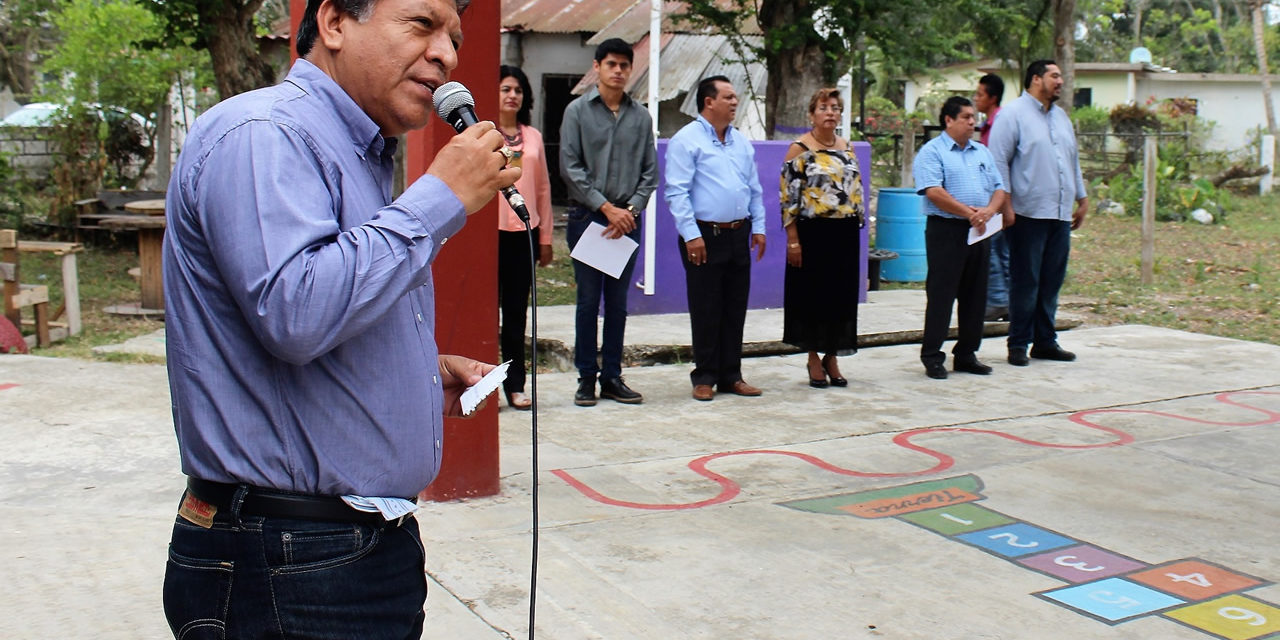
(809, 43)
(107, 66)
(1203, 36)
(25, 33)
(227, 30)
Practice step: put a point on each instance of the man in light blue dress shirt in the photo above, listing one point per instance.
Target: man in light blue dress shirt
(1035, 149)
(303, 368)
(963, 191)
(714, 193)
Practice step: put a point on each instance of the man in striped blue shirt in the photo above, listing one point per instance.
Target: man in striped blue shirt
(962, 190)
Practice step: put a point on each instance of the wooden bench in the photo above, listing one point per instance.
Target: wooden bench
(18, 296)
(90, 212)
(70, 282)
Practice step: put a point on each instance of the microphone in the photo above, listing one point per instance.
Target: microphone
(455, 106)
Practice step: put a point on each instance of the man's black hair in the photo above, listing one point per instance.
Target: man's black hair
(615, 45)
(308, 29)
(707, 89)
(526, 105)
(951, 108)
(994, 86)
(1036, 69)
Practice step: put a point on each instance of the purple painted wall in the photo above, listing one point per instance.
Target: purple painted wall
(766, 275)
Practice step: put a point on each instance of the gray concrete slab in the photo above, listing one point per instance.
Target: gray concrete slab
(1157, 445)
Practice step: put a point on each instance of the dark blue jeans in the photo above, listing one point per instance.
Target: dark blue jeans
(998, 280)
(1038, 252)
(254, 577)
(592, 285)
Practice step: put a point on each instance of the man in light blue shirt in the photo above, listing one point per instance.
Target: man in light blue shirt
(714, 192)
(303, 367)
(963, 191)
(1035, 149)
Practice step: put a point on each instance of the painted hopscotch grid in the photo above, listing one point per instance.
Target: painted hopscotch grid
(1106, 586)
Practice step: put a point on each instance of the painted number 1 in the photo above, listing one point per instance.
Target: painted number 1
(1013, 540)
(1252, 618)
(955, 519)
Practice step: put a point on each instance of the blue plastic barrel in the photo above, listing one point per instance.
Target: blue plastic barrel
(900, 228)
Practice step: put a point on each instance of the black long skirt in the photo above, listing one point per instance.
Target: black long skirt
(820, 302)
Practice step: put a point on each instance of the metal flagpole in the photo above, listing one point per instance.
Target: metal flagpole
(651, 226)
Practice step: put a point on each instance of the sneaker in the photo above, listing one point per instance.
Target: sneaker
(618, 390)
(586, 395)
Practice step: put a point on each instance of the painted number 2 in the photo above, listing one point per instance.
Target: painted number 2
(1252, 618)
(1013, 540)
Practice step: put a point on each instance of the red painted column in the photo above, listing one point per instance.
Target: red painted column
(466, 270)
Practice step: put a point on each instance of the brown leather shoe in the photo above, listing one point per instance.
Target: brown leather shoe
(703, 392)
(743, 389)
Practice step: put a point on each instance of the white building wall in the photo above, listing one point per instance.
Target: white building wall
(1234, 103)
(551, 53)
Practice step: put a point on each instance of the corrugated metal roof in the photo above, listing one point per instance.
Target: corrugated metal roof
(633, 24)
(725, 62)
(562, 16)
(683, 62)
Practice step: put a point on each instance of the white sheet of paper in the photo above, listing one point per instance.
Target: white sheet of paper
(605, 254)
(390, 508)
(995, 224)
(476, 393)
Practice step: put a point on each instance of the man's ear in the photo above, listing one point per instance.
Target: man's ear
(330, 21)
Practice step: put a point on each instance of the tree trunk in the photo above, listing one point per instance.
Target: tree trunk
(238, 66)
(1064, 49)
(795, 73)
(1255, 8)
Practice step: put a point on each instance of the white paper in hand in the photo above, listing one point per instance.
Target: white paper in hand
(476, 393)
(609, 255)
(995, 224)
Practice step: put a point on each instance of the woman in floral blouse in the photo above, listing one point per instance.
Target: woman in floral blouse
(822, 214)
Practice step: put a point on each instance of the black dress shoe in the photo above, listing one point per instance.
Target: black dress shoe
(971, 365)
(618, 390)
(1052, 353)
(586, 395)
(1018, 356)
(935, 371)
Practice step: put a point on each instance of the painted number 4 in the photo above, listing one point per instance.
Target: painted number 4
(1197, 579)
(1252, 618)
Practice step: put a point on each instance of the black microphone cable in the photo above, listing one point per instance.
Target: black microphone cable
(533, 408)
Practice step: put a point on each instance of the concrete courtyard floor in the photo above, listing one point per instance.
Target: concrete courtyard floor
(1132, 494)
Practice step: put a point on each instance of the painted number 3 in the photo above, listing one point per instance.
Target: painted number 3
(1252, 618)
(1013, 540)
(1080, 565)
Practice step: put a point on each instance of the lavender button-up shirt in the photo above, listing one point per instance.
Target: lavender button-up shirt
(300, 307)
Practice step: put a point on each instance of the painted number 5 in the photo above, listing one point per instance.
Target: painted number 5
(1252, 618)
(1107, 597)
(1013, 540)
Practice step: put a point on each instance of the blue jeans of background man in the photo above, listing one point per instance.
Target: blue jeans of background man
(998, 279)
(256, 577)
(592, 285)
(1038, 252)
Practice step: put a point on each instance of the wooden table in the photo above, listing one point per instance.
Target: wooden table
(148, 220)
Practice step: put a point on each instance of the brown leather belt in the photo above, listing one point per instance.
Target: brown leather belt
(282, 504)
(723, 226)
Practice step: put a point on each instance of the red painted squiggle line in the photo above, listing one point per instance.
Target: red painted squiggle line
(730, 489)
(7, 385)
